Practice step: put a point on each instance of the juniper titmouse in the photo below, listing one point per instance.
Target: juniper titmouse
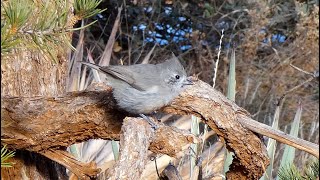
(144, 88)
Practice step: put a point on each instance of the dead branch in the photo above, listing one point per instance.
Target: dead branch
(134, 143)
(220, 114)
(46, 125)
(233, 123)
(82, 170)
(280, 136)
(38, 124)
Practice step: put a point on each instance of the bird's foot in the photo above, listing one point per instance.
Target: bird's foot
(152, 124)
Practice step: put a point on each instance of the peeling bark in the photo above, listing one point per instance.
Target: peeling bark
(134, 143)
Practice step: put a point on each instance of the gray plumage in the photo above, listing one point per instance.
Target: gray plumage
(144, 88)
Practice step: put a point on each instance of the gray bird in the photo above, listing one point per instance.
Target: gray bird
(144, 88)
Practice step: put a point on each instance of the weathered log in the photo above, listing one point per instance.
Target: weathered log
(53, 123)
(48, 123)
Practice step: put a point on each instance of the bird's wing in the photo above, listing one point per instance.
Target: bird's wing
(94, 66)
(122, 73)
(135, 75)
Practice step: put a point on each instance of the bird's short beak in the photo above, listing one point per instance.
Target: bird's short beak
(187, 81)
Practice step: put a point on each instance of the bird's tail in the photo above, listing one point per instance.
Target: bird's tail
(94, 66)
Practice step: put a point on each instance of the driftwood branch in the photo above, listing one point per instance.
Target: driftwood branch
(81, 170)
(221, 105)
(220, 114)
(39, 124)
(280, 136)
(46, 125)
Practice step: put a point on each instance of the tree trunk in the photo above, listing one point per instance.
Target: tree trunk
(29, 74)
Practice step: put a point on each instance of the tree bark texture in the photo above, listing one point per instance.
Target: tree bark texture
(79, 116)
(134, 143)
(220, 114)
(44, 124)
(26, 73)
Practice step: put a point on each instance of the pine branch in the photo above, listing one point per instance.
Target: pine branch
(5, 155)
(46, 26)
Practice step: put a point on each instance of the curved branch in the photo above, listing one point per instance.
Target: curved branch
(38, 124)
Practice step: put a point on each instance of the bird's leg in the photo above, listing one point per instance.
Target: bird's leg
(153, 114)
(152, 124)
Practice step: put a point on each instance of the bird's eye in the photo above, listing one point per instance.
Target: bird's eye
(177, 77)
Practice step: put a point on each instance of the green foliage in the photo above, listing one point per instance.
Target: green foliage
(44, 26)
(231, 94)
(7, 40)
(271, 146)
(208, 10)
(5, 155)
(115, 149)
(289, 152)
(312, 170)
(17, 13)
(87, 8)
(290, 172)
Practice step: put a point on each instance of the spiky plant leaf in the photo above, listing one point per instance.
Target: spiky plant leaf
(271, 146)
(231, 94)
(289, 152)
(87, 8)
(115, 149)
(49, 28)
(5, 155)
(312, 170)
(289, 172)
(195, 129)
